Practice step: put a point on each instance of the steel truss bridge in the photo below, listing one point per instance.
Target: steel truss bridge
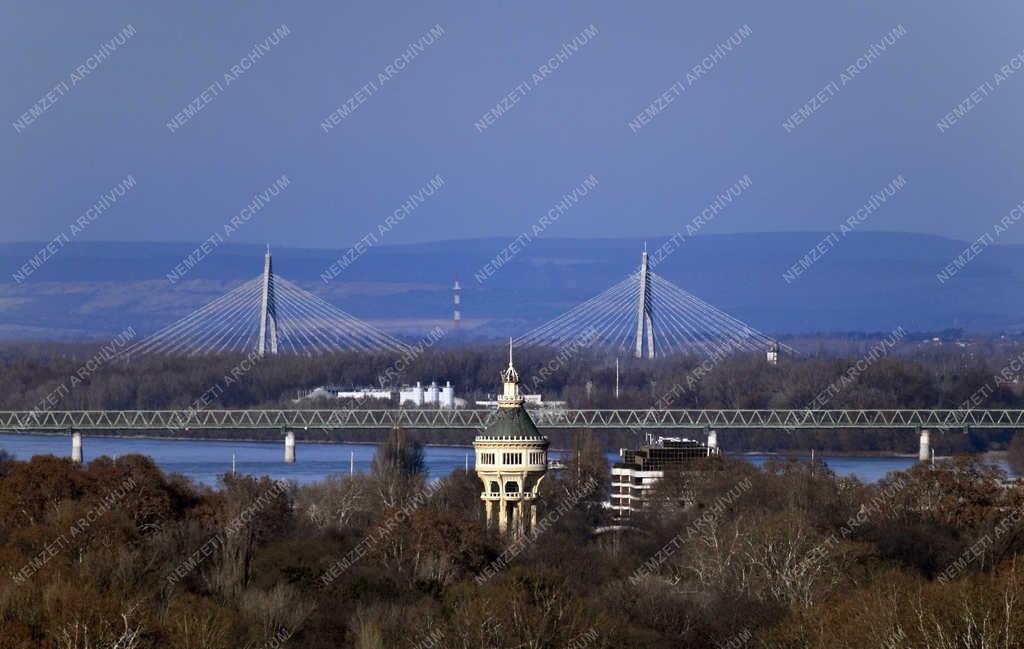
(113, 420)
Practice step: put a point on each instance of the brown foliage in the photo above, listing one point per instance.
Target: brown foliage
(1015, 453)
(788, 556)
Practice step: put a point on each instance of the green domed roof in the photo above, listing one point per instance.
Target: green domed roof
(511, 422)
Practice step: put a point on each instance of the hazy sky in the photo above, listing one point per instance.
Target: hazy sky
(563, 125)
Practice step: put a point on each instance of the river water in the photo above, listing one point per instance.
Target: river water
(203, 461)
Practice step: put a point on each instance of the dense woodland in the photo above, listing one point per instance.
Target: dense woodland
(117, 554)
(909, 374)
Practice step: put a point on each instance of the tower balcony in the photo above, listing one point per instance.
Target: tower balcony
(508, 495)
(510, 469)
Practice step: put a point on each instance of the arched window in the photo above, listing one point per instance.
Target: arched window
(511, 487)
(495, 488)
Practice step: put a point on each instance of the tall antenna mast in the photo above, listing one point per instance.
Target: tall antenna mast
(268, 310)
(457, 316)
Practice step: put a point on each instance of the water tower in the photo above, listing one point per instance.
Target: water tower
(511, 461)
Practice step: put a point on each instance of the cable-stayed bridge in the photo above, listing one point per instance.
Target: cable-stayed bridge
(644, 315)
(268, 315)
(647, 316)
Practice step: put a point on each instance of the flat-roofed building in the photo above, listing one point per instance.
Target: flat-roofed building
(635, 476)
(366, 393)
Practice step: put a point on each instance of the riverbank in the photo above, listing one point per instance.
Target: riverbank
(998, 456)
(247, 440)
(807, 454)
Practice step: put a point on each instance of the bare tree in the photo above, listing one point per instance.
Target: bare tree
(398, 468)
(1015, 453)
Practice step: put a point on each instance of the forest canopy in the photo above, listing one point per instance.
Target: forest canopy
(117, 554)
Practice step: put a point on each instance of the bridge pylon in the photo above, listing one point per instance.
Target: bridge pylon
(644, 319)
(268, 310)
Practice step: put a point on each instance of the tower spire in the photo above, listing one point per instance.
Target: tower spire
(510, 397)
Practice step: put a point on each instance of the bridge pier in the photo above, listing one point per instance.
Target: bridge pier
(924, 450)
(76, 447)
(289, 448)
(712, 442)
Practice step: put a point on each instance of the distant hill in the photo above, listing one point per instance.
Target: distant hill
(869, 281)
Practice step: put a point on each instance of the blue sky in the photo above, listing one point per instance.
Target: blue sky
(569, 125)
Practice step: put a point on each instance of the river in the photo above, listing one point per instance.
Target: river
(203, 461)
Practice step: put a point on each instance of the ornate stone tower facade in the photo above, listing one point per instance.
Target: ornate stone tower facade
(511, 461)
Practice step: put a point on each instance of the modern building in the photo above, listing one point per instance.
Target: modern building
(335, 392)
(635, 476)
(366, 393)
(417, 395)
(511, 461)
(773, 354)
(432, 395)
(320, 392)
(411, 395)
